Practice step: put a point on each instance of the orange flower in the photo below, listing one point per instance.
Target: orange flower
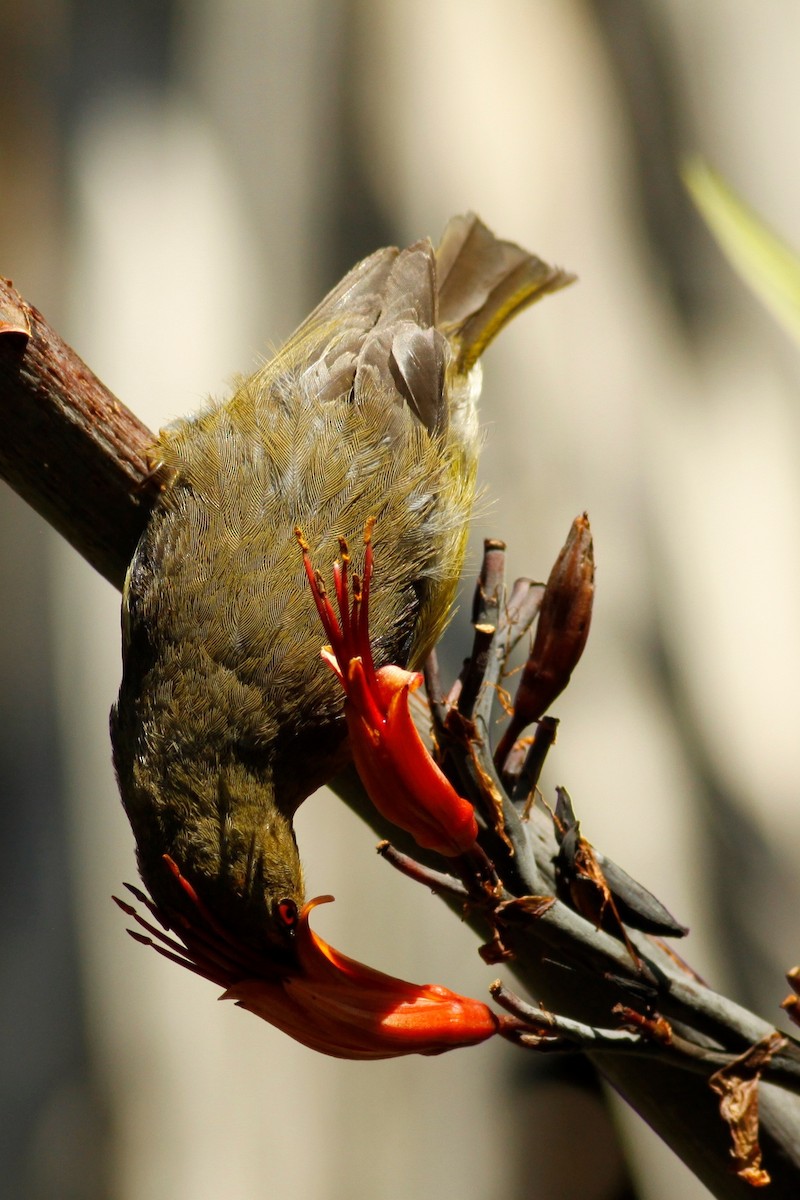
(344, 1008)
(398, 773)
(326, 1000)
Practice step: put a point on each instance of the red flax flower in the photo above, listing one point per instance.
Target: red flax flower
(324, 999)
(400, 777)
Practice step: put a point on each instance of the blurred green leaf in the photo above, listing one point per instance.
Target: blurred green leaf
(764, 261)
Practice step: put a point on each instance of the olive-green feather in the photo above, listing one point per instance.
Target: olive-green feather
(227, 717)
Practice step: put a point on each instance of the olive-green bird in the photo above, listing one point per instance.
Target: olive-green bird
(227, 718)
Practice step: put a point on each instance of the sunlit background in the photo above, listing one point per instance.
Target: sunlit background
(179, 184)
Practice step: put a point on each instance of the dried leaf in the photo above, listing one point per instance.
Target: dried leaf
(533, 907)
(495, 950)
(493, 800)
(655, 1027)
(599, 889)
(580, 881)
(737, 1087)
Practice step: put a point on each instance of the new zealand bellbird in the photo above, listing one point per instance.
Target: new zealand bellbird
(227, 718)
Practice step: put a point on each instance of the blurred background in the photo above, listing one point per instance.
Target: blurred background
(179, 183)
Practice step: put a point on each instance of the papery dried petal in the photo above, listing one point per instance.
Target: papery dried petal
(737, 1087)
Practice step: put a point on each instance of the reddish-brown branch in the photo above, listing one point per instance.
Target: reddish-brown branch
(69, 447)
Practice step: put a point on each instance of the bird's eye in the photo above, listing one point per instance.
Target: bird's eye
(287, 911)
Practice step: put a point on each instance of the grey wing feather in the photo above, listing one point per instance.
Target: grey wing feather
(404, 348)
(418, 361)
(483, 282)
(358, 293)
(374, 333)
